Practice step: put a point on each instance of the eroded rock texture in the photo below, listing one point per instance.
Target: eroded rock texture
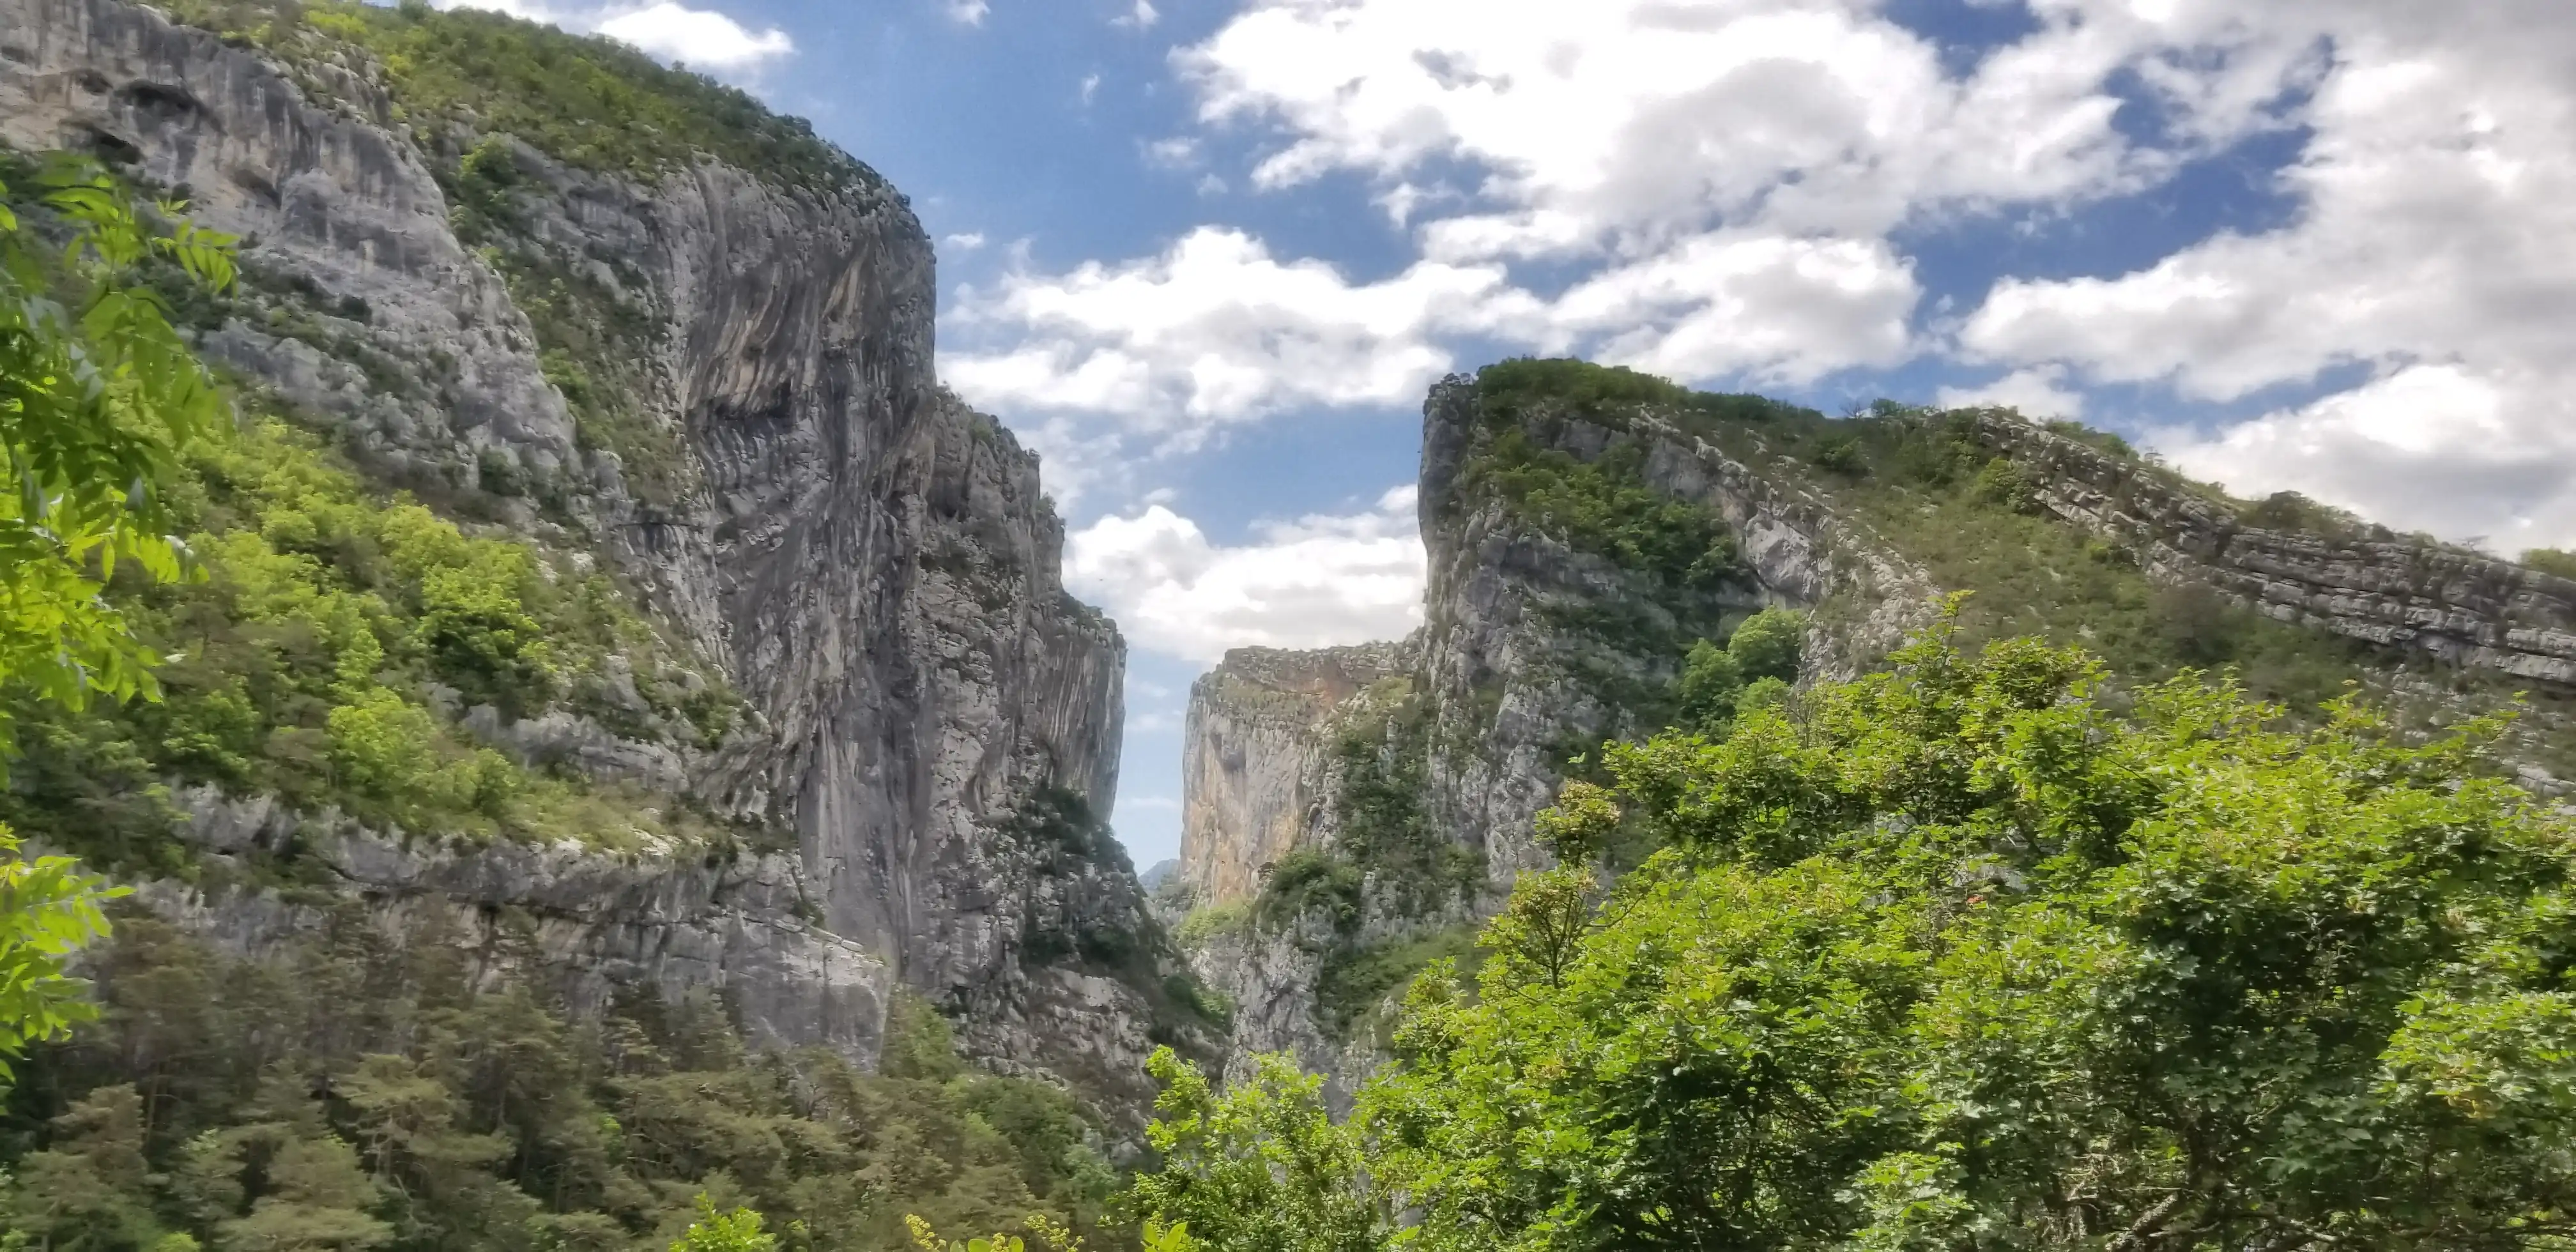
(871, 563)
(1257, 757)
(1532, 651)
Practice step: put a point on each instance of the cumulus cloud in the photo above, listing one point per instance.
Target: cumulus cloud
(965, 241)
(2038, 393)
(1771, 307)
(2428, 252)
(1718, 190)
(1314, 582)
(2436, 448)
(1217, 330)
(1722, 174)
(700, 37)
(966, 12)
(1139, 17)
(704, 38)
(1622, 123)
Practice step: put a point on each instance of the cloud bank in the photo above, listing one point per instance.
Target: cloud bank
(1314, 582)
(1724, 191)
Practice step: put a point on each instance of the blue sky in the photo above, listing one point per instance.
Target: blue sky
(1206, 254)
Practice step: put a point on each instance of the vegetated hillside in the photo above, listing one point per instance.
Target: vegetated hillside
(600, 584)
(2069, 534)
(1599, 538)
(1970, 951)
(349, 1091)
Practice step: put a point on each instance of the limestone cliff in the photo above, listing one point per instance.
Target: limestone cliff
(727, 393)
(1538, 645)
(2444, 602)
(1257, 761)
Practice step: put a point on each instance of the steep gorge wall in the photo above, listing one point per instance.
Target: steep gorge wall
(2444, 602)
(1257, 758)
(872, 564)
(1516, 674)
(1512, 675)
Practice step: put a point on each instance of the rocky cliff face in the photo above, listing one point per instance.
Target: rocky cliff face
(872, 564)
(1535, 649)
(584, 926)
(1532, 650)
(2363, 582)
(1257, 760)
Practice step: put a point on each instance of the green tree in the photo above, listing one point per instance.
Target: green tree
(317, 1201)
(1707, 687)
(97, 396)
(1974, 953)
(1963, 955)
(91, 1191)
(1758, 661)
(737, 1231)
(442, 1173)
(1769, 644)
(1260, 1168)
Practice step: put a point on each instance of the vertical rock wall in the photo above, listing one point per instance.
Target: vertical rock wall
(873, 564)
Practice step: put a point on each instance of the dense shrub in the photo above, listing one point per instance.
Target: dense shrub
(352, 1093)
(305, 666)
(1603, 506)
(1969, 954)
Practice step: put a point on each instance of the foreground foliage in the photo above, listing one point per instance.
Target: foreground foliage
(1959, 956)
(98, 396)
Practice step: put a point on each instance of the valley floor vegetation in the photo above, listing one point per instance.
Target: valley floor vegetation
(1960, 955)
(359, 1094)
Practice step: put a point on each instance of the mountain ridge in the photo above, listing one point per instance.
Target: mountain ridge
(1558, 615)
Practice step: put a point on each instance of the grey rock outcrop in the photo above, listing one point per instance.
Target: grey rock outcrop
(332, 196)
(872, 564)
(1512, 676)
(585, 925)
(1257, 757)
(1517, 679)
(2363, 582)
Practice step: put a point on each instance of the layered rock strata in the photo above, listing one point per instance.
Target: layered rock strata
(870, 563)
(2363, 582)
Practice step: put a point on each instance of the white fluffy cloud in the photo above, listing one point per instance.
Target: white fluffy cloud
(700, 37)
(1621, 124)
(1317, 581)
(1722, 175)
(1771, 306)
(2039, 393)
(1217, 330)
(703, 38)
(2429, 447)
(2429, 251)
(1717, 190)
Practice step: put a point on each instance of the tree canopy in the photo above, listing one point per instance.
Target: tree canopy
(1981, 952)
(98, 394)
